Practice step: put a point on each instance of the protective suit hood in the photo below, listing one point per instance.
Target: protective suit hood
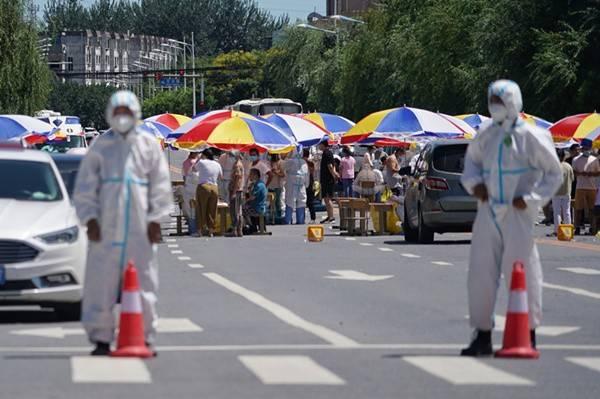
(122, 123)
(510, 93)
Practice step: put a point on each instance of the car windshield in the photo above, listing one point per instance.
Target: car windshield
(28, 181)
(450, 158)
(68, 169)
(63, 146)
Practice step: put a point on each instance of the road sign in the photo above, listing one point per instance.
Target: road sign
(169, 82)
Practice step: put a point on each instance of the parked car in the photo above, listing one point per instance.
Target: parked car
(42, 245)
(436, 201)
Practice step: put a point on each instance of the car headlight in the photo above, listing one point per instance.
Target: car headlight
(61, 237)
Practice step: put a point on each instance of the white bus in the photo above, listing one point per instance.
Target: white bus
(266, 106)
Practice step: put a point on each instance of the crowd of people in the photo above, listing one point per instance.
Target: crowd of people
(581, 183)
(283, 185)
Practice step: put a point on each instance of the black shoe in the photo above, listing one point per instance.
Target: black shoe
(480, 346)
(532, 337)
(151, 348)
(102, 349)
(325, 220)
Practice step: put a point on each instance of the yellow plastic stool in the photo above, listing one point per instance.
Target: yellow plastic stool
(315, 233)
(565, 232)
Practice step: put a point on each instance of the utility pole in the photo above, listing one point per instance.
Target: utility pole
(194, 78)
(202, 90)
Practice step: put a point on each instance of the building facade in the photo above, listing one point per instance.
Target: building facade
(93, 57)
(349, 8)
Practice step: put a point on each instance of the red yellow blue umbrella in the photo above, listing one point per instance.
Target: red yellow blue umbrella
(233, 130)
(172, 121)
(578, 127)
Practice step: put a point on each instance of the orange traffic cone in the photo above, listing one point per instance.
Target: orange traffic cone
(517, 341)
(131, 341)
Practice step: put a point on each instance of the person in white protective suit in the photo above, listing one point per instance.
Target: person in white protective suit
(297, 180)
(123, 190)
(512, 168)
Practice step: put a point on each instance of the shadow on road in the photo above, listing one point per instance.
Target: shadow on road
(28, 316)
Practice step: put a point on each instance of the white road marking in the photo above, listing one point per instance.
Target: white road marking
(170, 240)
(439, 263)
(412, 256)
(177, 325)
(592, 363)
(289, 370)
(384, 249)
(173, 246)
(53, 332)
(444, 348)
(548, 331)
(366, 244)
(580, 270)
(196, 265)
(184, 258)
(573, 290)
(350, 239)
(465, 371)
(109, 370)
(177, 251)
(358, 276)
(282, 313)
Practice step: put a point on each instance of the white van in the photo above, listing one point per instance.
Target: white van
(69, 126)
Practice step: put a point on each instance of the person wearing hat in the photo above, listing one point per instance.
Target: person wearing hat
(587, 170)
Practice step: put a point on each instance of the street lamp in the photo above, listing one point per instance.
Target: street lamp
(311, 27)
(192, 48)
(344, 18)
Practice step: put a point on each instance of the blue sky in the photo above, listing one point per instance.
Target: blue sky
(294, 8)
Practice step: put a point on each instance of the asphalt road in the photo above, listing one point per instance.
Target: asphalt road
(262, 317)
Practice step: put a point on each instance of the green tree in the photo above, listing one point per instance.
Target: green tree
(87, 102)
(173, 101)
(24, 76)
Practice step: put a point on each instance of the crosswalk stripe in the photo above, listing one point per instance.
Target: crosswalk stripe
(173, 246)
(196, 265)
(465, 371)
(440, 263)
(384, 249)
(177, 325)
(184, 258)
(592, 363)
(177, 251)
(580, 270)
(366, 244)
(289, 370)
(88, 369)
(170, 240)
(548, 331)
(350, 239)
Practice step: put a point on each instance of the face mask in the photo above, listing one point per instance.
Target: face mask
(498, 112)
(123, 124)
(254, 158)
(586, 153)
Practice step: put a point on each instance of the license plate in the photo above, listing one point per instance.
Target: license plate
(2, 275)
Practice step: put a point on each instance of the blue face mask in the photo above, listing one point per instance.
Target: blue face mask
(254, 158)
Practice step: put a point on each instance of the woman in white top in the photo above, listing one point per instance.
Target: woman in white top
(207, 193)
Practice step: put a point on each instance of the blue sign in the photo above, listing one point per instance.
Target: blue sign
(170, 82)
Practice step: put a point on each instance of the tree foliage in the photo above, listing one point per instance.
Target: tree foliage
(442, 54)
(219, 25)
(24, 77)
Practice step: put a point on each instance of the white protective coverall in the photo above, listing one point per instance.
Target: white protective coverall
(297, 180)
(513, 159)
(124, 184)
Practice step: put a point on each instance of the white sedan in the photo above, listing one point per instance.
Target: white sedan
(42, 245)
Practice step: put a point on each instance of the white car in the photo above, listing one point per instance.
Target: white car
(42, 245)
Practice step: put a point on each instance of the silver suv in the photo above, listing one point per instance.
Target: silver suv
(436, 201)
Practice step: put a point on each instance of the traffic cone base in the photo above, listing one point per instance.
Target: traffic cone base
(523, 353)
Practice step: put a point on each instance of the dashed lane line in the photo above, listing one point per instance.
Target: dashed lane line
(384, 249)
(411, 256)
(173, 246)
(184, 258)
(170, 240)
(440, 263)
(196, 265)
(177, 251)
(581, 270)
(350, 239)
(366, 244)
(282, 313)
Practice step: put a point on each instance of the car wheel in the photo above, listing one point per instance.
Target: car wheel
(410, 234)
(425, 234)
(68, 311)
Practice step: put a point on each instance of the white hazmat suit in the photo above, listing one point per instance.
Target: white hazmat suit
(297, 180)
(124, 184)
(514, 160)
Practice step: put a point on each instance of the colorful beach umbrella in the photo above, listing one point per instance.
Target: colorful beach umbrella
(233, 130)
(34, 131)
(406, 123)
(473, 120)
(578, 127)
(172, 121)
(335, 124)
(535, 120)
(158, 129)
(303, 131)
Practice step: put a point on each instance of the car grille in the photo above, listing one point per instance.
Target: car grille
(16, 252)
(17, 285)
